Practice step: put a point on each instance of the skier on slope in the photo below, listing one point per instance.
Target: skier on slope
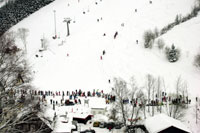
(115, 35)
(104, 52)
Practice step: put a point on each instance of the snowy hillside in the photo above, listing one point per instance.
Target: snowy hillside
(124, 58)
(74, 62)
(2, 2)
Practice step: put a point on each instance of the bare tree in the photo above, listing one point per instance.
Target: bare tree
(128, 111)
(160, 43)
(134, 96)
(113, 116)
(196, 110)
(44, 43)
(153, 98)
(121, 91)
(149, 38)
(150, 87)
(176, 108)
(141, 96)
(15, 85)
(23, 33)
(184, 93)
(159, 94)
(197, 61)
(135, 110)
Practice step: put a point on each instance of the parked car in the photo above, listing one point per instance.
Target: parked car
(68, 102)
(103, 124)
(88, 131)
(134, 128)
(118, 125)
(130, 129)
(96, 124)
(110, 125)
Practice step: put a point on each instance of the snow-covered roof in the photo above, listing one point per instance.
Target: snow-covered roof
(81, 115)
(164, 123)
(63, 127)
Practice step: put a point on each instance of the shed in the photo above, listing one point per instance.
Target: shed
(162, 123)
(63, 128)
(34, 123)
(82, 118)
(98, 106)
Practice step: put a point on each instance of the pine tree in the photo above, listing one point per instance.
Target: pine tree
(173, 54)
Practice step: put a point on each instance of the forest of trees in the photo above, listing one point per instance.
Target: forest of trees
(134, 103)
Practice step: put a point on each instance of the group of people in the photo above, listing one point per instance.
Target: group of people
(70, 97)
(73, 97)
(103, 53)
(163, 99)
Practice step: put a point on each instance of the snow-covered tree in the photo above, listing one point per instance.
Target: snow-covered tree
(197, 110)
(197, 60)
(15, 85)
(122, 106)
(44, 43)
(178, 19)
(173, 54)
(159, 94)
(160, 43)
(148, 39)
(134, 94)
(23, 34)
(176, 108)
(113, 114)
(156, 32)
(150, 86)
(121, 92)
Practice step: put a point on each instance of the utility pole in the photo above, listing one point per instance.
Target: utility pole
(55, 23)
(42, 43)
(67, 20)
(2, 89)
(196, 110)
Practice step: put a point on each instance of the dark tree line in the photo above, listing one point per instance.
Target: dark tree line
(14, 11)
(181, 19)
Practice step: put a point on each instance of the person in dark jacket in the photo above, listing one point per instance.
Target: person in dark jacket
(115, 35)
(104, 52)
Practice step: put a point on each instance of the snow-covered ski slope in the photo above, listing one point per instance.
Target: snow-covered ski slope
(83, 69)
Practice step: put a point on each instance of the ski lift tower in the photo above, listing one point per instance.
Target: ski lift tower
(54, 11)
(67, 20)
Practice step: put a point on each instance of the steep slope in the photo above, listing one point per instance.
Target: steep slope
(185, 37)
(83, 69)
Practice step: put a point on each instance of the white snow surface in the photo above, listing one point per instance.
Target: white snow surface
(164, 123)
(83, 69)
(2, 3)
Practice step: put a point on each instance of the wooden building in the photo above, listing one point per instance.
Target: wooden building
(82, 118)
(34, 123)
(162, 123)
